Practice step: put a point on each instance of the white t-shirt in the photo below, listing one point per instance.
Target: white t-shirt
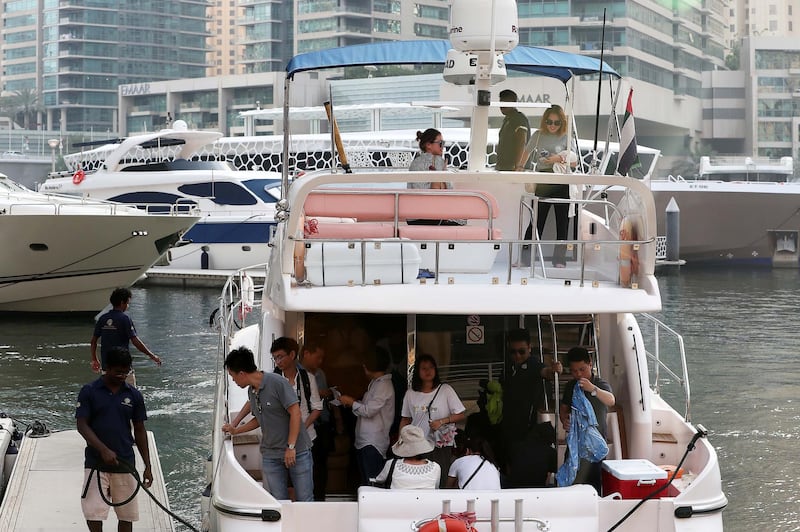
(487, 477)
(415, 406)
(411, 476)
(316, 402)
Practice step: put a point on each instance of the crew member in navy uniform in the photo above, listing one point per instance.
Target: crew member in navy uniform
(107, 409)
(116, 329)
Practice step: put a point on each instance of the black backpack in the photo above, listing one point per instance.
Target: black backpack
(306, 385)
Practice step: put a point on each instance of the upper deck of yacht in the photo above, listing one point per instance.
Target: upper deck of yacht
(346, 244)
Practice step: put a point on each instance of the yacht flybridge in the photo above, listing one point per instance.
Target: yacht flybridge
(349, 271)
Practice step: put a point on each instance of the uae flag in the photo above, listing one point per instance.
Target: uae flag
(628, 156)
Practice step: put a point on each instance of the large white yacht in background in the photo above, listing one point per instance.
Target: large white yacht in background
(738, 210)
(236, 207)
(347, 270)
(62, 253)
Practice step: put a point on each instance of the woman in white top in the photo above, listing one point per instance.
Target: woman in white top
(434, 407)
(475, 470)
(411, 470)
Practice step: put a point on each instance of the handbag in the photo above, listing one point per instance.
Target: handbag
(445, 435)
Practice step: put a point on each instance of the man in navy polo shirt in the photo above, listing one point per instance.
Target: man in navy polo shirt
(106, 410)
(115, 329)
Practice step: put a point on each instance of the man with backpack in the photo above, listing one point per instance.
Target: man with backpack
(284, 352)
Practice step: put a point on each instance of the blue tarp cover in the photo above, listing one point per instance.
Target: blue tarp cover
(533, 60)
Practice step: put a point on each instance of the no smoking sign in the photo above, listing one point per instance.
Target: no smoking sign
(475, 334)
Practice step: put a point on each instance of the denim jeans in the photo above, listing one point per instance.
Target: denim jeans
(275, 478)
(370, 463)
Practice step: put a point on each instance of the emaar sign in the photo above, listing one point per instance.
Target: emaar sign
(534, 98)
(135, 90)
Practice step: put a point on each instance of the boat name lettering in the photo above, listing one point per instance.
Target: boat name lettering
(698, 186)
(456, 29)
(134, 90)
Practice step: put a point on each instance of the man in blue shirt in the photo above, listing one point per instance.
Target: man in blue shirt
(116, 329)
(106, 410)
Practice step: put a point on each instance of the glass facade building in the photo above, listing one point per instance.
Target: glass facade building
(75, 53)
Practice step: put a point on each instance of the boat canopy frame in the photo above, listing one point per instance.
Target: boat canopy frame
(556, 64)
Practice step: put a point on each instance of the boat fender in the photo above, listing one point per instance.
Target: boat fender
(628, 255)
(248, 295)
(78, 176)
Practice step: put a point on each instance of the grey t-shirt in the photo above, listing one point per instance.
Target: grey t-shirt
(550, 144)
(424, 162)
(269, 405)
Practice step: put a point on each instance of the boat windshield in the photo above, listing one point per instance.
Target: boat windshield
(178, 164)
(261, 187)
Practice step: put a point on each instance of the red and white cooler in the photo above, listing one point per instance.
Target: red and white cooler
(633, 479)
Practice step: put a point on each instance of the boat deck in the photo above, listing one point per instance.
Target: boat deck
(45, 487)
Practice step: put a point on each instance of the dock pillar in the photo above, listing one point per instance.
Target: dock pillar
(673, 231)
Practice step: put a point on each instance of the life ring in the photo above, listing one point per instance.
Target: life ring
(78, 176)
(446, 525)
(628, 256)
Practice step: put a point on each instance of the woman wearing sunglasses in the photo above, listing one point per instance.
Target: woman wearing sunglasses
(547, 148)
(430, 157)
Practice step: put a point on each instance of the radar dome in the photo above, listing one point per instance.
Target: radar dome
(471, 28)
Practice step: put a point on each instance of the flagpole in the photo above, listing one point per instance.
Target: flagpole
(599, 84)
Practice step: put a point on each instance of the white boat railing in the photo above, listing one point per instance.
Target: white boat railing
(240, 302)
(96, 207)
(510, 245)
(656, 353)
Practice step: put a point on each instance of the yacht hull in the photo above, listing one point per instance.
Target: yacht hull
(71, 263)
(732, 223)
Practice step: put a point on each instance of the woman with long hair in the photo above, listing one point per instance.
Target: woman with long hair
(549, 149)
(434, 407)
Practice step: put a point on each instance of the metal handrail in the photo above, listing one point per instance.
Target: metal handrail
(683, 379)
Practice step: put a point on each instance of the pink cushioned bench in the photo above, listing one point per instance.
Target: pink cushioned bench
(374, 210)
(383, 213)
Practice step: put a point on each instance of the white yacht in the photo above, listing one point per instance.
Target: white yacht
(64, 254)
(236, 207)
(737, 210)
(348, 270)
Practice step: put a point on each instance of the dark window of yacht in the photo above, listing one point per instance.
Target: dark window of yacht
(221, 193)
(260, 188)
(154, 201)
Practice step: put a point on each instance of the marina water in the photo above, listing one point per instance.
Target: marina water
(740, 327)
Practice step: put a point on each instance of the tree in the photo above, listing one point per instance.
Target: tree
(25, 105)
(733, 59)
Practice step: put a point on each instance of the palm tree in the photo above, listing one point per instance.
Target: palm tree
(26, 103)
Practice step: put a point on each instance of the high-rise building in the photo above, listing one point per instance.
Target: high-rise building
(73, 54)
(227, 36)
(759, 18)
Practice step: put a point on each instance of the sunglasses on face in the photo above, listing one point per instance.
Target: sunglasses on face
(439, 142)
(520, 351)
(553, 122)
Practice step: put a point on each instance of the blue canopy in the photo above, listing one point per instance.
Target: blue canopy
(530, 59)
